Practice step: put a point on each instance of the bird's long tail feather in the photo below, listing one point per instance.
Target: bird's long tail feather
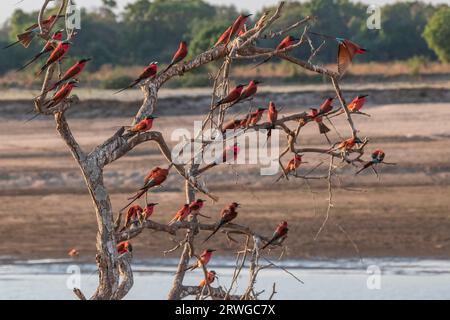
(135, 82)
(213, 233)
(31, 61)
(367, 165)
(168, 67)
(261, 63)
(135, 198)
(323, 128)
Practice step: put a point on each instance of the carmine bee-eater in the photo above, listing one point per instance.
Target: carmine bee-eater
(124, 247)
(211, 276)
(228, 214)
(74, 71)
(29, 34)
(181, 214)
(238, 25)
(224, 37)
(287, 42)
(148, 211)
(155, 178)
(179, 56)
(73, 253)
(232, 96)
(205, 257)
(272, 116)
(61, 94)
(248, 92)
(58, 53)
(149, 72)
(292, 166)
(279, 234)
(232, 125)
(50, 45)
(326, 106)
(318, 118)
(255, 117)
(228, 152)
(357, 103)
(347, 145)
(196, 206)
(144, 125)
(133, 216)
(377, 157)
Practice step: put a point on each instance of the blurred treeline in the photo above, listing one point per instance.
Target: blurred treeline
(151, 30)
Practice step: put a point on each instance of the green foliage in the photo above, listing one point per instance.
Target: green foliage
(437, 33)
(416, 64)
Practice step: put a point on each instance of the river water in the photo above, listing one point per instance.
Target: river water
(387, 278)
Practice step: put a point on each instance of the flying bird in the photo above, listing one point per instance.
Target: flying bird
(30, 32)
(179, 56)
(155, 178)
(287, 42)
(211, 276)
(357, 103)
(133, 215)
(181, 214)
(205, 257)
(232, 96)
(144, 125)
(237, 26)
(57, 54)
(73, 72)
(228, 214)
(49, 46)
(280, 234)
(124, 247)
(149, 72)
(377, 157)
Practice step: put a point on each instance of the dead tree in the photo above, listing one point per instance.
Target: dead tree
(115, 273)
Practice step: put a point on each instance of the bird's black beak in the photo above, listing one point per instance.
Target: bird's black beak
(258, 82)
(363, 96)
(61, 16)
(248, 15)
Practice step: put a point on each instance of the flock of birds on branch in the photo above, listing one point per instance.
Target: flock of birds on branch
(57, 49)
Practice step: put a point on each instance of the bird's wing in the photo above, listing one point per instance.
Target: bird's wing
(344, 59)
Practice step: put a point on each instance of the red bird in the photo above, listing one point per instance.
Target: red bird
(61, 94)
(74, 71)
(26, 37)
(326, 106)
(377, 157)
(181, 53)
(196, 206)
(148, 211)
(228, 152)
(232, 96)
(292, 166)
(124, 247)
(284, 44)
(224, 37)
(133, 215)
(143, 125)
(316, 116)
(205, 257)
(49, 46)
(348, 144)
(228, 214)
(58, 53)
(279, 235)
(181, 214)
(232, 125)
(255, 117)
(249, 91)
(238, 25)
(347, 50)
(210, 278)
(357, 103)
(149, 72)
(155, 178)
(272, 116)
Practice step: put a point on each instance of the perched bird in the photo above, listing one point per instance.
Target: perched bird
(357, 103)
(57, 54)
(181, 214)
(249, 91)
(211, 276)
(205, 257)
(49, 46)
(316, 116)
(227, 215)
(232, 96)
(73, 253)
(279, 234)
(124, 247)
(224, 37)
(148, 211)
(237, 26)
(232, 125)
(228, 152)
(74, 71)
(326, 106)
(61, 94)
(179, 56)
(144, 125)
(284, 44)
(30, 32)
(292, 166)
(377, 157)
(149, 72)
(272, 116)
(262, 21)
(255, 117)
(155, 178)
(348, 144)
(196, 206)
(133, 215)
